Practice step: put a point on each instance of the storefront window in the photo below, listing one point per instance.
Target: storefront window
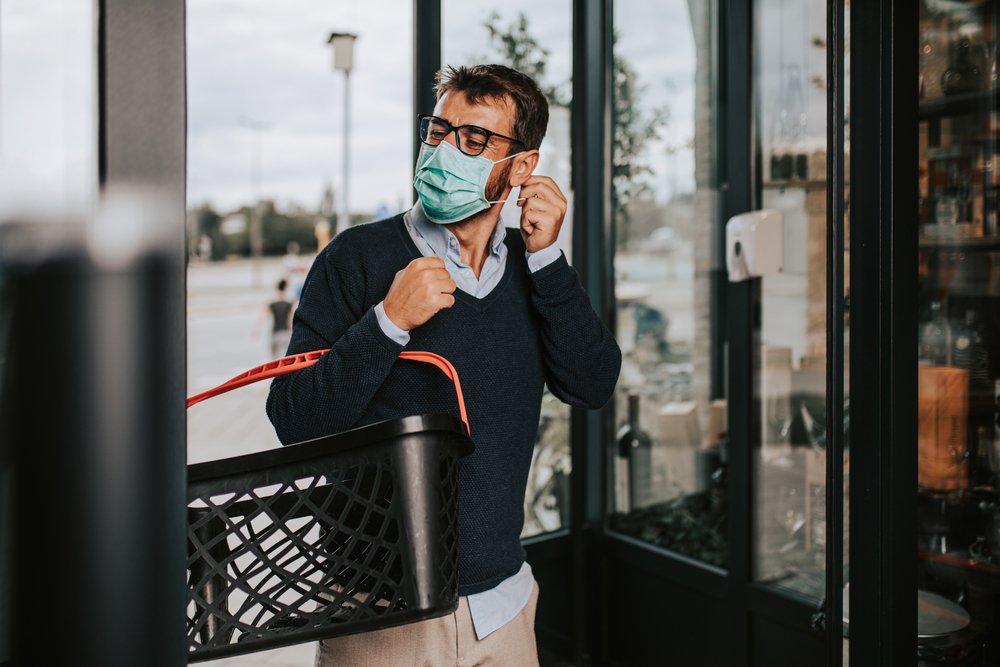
(958, 468)
(790, 457)
(668, 464)
(266, 127)
(534, 38)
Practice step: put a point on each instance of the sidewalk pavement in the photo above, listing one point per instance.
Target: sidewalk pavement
(223, 304)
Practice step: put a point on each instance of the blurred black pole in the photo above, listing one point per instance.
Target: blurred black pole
(92, 384)
(90, 399)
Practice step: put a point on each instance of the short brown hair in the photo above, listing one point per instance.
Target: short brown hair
(496, 82)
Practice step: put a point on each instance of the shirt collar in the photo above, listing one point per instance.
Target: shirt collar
(440, 239)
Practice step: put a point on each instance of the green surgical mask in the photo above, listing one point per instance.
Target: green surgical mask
(452, 185)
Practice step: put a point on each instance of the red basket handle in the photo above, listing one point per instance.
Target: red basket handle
(297, 362)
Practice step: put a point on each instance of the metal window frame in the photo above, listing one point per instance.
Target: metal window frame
(593, 233)
(883, 325)
(426, 59)
(835, 328)
(743, 302)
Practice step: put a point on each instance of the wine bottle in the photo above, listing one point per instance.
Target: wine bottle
(970, 352)
(935, 343)
(963, 74)
(633, 461)
(983, 470)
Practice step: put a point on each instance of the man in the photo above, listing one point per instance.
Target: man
(505, 308)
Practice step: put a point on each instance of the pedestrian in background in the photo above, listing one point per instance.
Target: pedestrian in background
(280, 311)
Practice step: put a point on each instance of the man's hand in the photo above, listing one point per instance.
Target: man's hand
(542, 211)
(419, 292)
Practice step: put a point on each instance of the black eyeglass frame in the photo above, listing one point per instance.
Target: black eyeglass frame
(488, 134)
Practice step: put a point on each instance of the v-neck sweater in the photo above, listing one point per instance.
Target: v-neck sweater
(532, 329)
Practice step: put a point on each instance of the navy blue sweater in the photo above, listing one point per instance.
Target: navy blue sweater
(531, 330)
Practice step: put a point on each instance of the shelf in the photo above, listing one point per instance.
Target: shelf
(979, 243)
(957, 105)
(793, 183)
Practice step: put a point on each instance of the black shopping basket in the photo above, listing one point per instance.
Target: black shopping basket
(343, 534)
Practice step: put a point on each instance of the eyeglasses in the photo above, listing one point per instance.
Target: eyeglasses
(470, 139)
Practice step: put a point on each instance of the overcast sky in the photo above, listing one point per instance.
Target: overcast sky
(268, 63)
(48, 106)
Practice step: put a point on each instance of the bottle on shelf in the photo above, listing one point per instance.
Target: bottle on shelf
(985, 468)
(935, 342)
(969, 350)
(947, 201)
(991, 216)
(633, 461)
(789, 157)
(963, 75)
(996, 411)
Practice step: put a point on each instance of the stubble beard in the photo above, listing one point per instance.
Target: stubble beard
(496, 183)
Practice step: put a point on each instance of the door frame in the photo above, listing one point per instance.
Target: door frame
(755, 614)
(883, 126)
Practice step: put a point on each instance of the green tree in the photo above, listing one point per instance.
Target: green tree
(203, 221)
(632, 129)
(512, 44)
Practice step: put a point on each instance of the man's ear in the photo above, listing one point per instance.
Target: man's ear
(524, 166)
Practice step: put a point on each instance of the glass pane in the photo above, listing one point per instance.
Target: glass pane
(266, 128)
(48, 108)
(668, 464)
(536, 39)
(958, 469)
(790, 459)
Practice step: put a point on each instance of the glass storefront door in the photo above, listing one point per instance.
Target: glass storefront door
(667, 465)
(717, 477)
(789, 451)
(958, 356)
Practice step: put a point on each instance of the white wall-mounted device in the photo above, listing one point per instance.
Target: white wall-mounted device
(754, 244)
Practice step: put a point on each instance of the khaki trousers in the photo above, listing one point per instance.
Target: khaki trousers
(449, 641)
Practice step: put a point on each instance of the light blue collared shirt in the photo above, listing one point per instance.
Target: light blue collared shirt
(434, 239)
(492, 609)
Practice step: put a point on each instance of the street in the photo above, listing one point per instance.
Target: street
(223, 305)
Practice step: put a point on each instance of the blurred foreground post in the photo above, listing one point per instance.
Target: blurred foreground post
(92, 388)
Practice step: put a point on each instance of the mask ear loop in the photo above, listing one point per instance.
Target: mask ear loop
(508, 199)
(499, 201)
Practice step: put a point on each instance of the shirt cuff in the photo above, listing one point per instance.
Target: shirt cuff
(389, 328)
(542, 258)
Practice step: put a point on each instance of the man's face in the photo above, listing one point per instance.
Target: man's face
(495, 116)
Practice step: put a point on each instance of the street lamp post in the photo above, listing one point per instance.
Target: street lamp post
(343, 60)
(256, 224)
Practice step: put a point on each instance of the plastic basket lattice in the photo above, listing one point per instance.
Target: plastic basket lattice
(339, 535)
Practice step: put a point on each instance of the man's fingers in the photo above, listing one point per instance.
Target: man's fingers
(541, 206)
(446, 286)
(442, 301)
(544, 188)
(425, 263)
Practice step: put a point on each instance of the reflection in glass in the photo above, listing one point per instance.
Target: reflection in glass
(668, 465)
(536, 39)
(790, 459)
(958, 359)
